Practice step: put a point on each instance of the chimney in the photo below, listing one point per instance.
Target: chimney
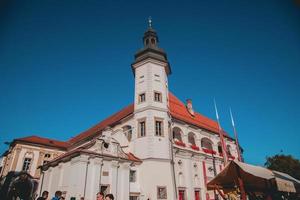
(189, 106)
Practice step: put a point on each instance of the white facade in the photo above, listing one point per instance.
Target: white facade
(175, 159)
(36, 154)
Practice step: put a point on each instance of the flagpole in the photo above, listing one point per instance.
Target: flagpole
(221, 136)
(236, 138)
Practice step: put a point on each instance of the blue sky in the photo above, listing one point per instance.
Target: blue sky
(65, 65)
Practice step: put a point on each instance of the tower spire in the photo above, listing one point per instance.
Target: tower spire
(149, 22)
(151, 49)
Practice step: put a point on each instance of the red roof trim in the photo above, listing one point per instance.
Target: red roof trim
(178, 111)
(43, 141)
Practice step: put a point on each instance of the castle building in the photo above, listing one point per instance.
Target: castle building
(156, 148)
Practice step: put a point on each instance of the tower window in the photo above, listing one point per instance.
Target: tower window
(142, 97)
(152, 41)
(26, 164)
(157, 97)
(158, 127)
(142, 128)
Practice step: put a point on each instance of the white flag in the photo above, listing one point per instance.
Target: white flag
(231, 118)
(217, 115)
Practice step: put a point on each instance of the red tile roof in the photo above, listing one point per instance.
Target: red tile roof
(115, 118)
(43, 141)
(133, 157)
(177, 109)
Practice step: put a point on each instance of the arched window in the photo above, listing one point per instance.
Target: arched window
(177, 134)
(127, 130)
(206, 143)
(220, 150)
(152, 41)
(191, 138)
(228, 149)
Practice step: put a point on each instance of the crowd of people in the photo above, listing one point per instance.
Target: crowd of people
(59, 196)
(21, 185)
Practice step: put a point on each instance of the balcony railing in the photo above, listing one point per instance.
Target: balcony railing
(208, 151)
(195, 147)
(180, 143)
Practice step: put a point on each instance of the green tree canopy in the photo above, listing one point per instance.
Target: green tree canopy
(284, 163)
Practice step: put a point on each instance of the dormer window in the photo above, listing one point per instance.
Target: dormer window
(47, 155)
(157, 97)
(142, 97)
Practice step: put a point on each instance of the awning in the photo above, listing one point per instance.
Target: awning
(255, 179)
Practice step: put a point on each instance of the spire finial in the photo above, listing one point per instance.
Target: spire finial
(150, 22)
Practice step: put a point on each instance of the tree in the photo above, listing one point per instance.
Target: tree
(284, 163)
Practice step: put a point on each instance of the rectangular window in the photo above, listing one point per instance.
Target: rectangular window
(26, 164)
(105, 189)
(142, 98)
(142, 128)
(161, 192)
(158, 127)
(133, 198)
(132, 176)
(157, 97)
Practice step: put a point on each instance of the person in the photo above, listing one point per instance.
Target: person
(100, 196)
(44, 195)
(109, 197)
(21, 186)
(57, 195)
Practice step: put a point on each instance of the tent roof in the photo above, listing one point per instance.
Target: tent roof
(255, 178)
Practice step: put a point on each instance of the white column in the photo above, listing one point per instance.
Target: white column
(93, 183)
(123, 185)
(115, 182)
(78, 176)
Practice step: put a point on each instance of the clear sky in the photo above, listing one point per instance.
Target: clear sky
(65, 65)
